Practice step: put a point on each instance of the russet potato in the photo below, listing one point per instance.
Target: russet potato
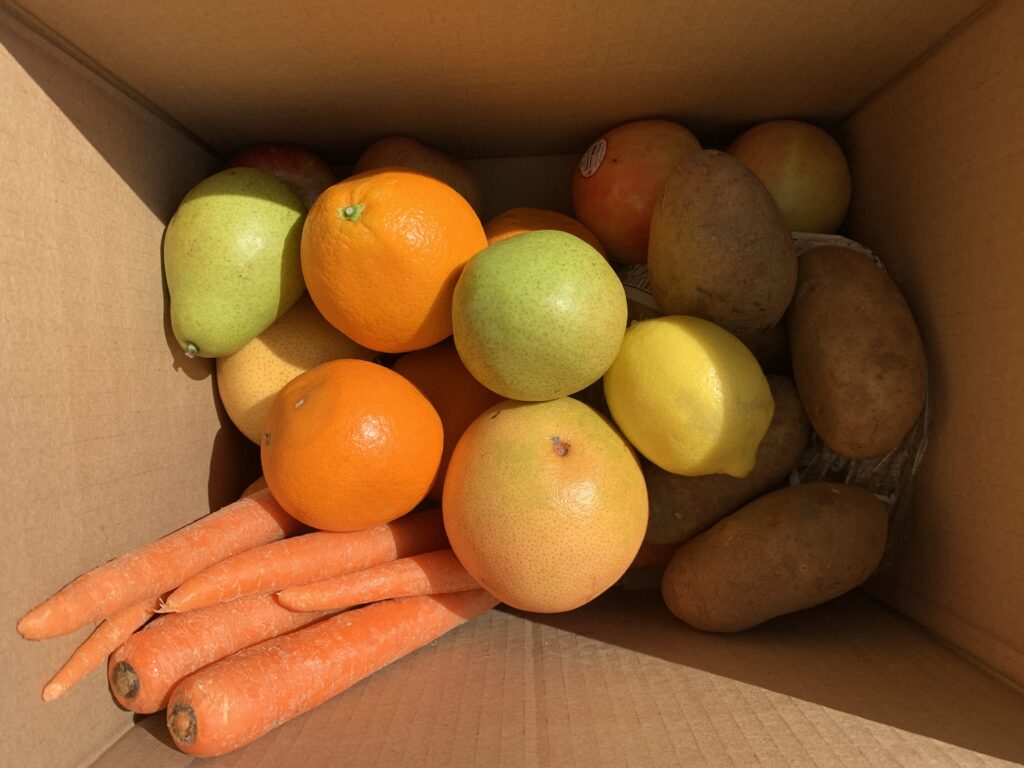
(783, 552)
(720, 247)
(858, 359)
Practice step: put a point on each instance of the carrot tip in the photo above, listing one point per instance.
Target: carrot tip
(172, 606)
(163, 607)
(53, 691)
(29, 626)
(181, 722)
(286, 601)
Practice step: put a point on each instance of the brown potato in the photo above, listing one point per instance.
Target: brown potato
(858, 359)
(784, 552)
(719, 246)
(681, 506)
(771, 348)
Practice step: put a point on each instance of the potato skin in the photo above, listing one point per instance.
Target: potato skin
(681, 506)
(720, 247)
(771, 348)
(783, 552)
(858, 359)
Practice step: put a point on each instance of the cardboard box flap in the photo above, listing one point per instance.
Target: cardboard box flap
(489, 80)
(621, 682)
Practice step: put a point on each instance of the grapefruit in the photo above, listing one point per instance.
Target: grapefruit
(544, 503)
(619, 178)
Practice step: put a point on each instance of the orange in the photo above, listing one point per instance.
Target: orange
(381, 253)
(544, 503)
(350, 444)
(458, 397)
(515, 221)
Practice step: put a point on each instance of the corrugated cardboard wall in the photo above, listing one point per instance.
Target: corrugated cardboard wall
(938, 160)
(494, 79)
(109, 435)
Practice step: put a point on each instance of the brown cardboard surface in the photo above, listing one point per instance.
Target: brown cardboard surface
(495, 79)
(938, 160)
(532, 182)
(110, 437)
(621, 682)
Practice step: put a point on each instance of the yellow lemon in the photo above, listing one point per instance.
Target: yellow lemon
(689, 396)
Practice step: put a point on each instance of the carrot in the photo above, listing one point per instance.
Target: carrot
(159, 566)
(143, 670)
(312, 557)
(100, 644)
(432, 573)
(256, 485)
(235, 701)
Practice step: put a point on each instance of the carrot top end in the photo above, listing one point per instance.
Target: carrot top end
(181, 721)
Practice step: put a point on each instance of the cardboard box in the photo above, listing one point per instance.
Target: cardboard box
(110, 112)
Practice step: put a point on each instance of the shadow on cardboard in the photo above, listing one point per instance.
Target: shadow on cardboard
(234, 458)
(111, 124)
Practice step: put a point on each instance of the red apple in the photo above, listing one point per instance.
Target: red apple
(307, 173)
(619, 178)
(803, 167)
(408, 153)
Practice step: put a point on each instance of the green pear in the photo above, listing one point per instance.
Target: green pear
(538, 316)
(231, 259)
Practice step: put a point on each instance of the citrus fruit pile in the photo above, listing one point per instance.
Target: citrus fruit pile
(544, 501)
(502, 370)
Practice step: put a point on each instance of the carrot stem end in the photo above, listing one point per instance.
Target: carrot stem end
(181, 721)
